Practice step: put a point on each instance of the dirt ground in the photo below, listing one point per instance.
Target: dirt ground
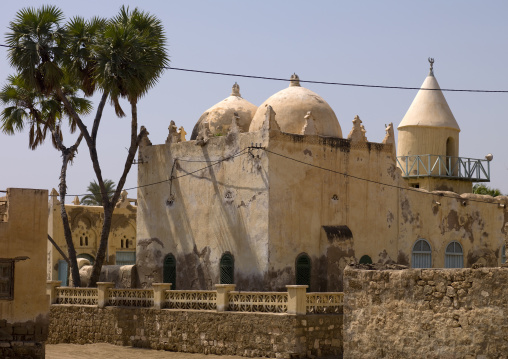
(109, 351)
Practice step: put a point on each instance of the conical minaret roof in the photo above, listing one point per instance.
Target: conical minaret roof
(429, 108)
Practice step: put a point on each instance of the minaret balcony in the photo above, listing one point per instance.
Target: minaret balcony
(458, 168)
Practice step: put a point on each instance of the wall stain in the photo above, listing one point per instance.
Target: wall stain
(341, 233)
(403, 258)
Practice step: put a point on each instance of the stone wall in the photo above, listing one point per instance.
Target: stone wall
(426, 313)
(22, 340)
(246, 334)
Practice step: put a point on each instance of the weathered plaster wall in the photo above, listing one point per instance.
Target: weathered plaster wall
(475, 221)
(426, 313)
(86, 226)
(23, 236)
(419, 140)
(204, 213)
(267, 207)
(246, 334)
(303, 199)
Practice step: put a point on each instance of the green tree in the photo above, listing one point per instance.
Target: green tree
(122, 57)
(483, 189)
(94, 198)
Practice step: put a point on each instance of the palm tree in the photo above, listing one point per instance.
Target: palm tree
(94, 198)
(122, 58)
(24, 106)
(35, 96)
(130, 58)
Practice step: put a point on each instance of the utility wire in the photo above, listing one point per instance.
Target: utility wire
(331, 83)
(237, 154)
(317, 82)
(242, 152)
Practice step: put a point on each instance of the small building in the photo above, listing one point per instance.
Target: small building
(24, 305)
(290, 201)
(86, 226)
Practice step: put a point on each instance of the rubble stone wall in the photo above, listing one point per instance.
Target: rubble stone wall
(22, 340)
(246, 334)
(426, 313)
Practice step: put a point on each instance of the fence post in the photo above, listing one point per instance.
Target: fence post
(297, 299)
(222, 295)
(158, 294)
(102, 289)
(51, 286)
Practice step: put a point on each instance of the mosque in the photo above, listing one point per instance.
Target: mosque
(274, 195)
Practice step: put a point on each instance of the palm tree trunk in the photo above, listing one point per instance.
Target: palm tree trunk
(76, 280)
(109, 207)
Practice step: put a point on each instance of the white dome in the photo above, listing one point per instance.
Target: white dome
(292, 104)
(220, 116)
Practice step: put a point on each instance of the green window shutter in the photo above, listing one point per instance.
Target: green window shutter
(169, 270)
(303, 270)
(227, 269)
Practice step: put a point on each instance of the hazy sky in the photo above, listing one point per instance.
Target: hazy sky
(366, 42)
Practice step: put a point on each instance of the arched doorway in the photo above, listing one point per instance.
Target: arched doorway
(169, 270)
(227, 269)
(302, 271)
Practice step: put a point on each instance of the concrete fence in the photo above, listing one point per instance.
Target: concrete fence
(295, 301)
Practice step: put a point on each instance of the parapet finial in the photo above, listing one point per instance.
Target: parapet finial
(236, 90)
(431, 62)
(294, 80)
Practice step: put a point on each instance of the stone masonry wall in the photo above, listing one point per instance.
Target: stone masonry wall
(22, 340)
(426, 313)
(246, 334)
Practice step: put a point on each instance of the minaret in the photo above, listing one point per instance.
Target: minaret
(429, 130)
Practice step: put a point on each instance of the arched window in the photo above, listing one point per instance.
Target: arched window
(422, 255)
(227, 269)
(365, 260)
(503, 254)
(169, 270)
(454, 256)
(303, 270)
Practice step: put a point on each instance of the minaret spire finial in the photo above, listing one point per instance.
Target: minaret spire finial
(431, 62)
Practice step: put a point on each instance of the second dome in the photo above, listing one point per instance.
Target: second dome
(292, 104)
(220, 116)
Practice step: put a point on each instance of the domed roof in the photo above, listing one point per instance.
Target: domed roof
(292, 104)
(429, 107)
(220, 116)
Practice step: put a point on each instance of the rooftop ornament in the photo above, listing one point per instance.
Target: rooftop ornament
(431, 62)
(294, 80)
(236, 90)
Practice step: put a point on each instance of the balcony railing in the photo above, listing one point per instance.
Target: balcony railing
(461, 168)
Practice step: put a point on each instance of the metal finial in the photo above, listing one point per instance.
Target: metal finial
(431, 62)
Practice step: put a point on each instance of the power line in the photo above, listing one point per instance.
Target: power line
(331, 83)
(242, 152)
(316, 81)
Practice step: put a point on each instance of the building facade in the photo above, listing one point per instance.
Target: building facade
(290, 201)
(24, 305)
(86, 226)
